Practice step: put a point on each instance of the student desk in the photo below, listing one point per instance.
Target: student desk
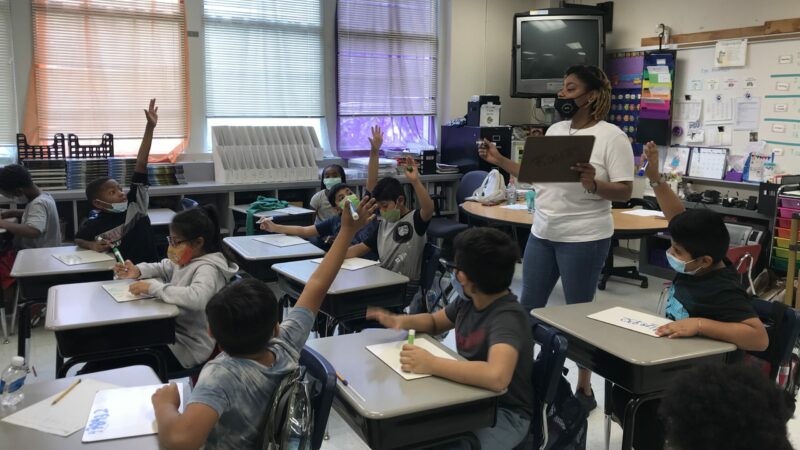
(18, 437)
(392, 412)
(90, 325)
(643, 365)
(36, 270)
(291, 215)
(160, 217)
(256, 257)
(352, 291)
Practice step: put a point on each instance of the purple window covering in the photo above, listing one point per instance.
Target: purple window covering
(386, 73)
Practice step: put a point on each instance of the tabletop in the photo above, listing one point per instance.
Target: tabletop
(35, 262)
(631, 346)
(385, 393)
(18, 437)
(622, 222)
(85, 305)
(160, 216)
(290, 210)
(252, 250)
(347, 280)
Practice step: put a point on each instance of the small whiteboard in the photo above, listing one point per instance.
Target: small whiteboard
(708, 163)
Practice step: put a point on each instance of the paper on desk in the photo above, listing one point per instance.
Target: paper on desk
(123, 412)
(516, 206)
(389, 353)
(65, 417)
(630, 319)
(83, 257)
(644, 213)
(280, 240)
(119, 291)
(352, 263)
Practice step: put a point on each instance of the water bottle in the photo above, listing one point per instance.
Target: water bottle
(12, 380)
(511, 192)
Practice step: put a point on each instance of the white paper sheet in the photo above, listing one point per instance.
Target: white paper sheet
(630, 319)
(748, 112)
(516, 206)
(718, 111)
(123, 412)
(719, 136)
(730, 53)
(676, 160)
(280, 240)
(352, 263)
(644, 213)
(389, 353)
(121, 293)
(83, 257)
(688, 111)
(65, 417)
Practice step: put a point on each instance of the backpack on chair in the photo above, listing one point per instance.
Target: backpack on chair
(290, 419)
(566, 420)
(491, 191)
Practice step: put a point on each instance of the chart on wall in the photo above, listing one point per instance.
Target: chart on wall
(731, 107)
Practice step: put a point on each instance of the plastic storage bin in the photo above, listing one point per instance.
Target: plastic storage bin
(789, 202)
(785, 233)
(787, 212)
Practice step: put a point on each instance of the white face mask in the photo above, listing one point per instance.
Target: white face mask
(119, 207)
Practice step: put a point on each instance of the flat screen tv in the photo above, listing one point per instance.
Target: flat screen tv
(547, 43)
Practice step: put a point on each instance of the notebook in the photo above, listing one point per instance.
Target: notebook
(83, 257)
(123, 412)
(281, 240)
(389, 353)
(121, 293)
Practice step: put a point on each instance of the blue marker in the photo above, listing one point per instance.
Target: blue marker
(644, 166)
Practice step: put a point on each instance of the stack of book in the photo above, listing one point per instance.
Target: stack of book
(121, 169)
(165, 174)
(81, 172)
(48, 174)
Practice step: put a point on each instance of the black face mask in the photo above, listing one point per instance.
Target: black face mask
(567, 107)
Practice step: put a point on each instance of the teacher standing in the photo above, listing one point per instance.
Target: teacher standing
(572, 228)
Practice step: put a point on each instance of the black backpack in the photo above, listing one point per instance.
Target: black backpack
(290, 419)
(566, 420)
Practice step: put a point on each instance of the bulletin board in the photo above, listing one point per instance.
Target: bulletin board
(762, 97)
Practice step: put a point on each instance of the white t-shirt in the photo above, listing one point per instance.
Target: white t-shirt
(324, 210)
(565, 212)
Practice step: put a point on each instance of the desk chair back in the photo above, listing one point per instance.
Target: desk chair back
(320, 369)
(744, 258)
(783, 327)
(445, 228)
(469, 182)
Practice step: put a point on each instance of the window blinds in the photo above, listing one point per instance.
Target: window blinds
(98, 62)
(263, 58)
(8, 110)
(387, 57)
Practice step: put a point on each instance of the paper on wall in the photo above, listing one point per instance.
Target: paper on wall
(632, 320)
(747, 112)
(730, 53)
(718, 110)
(687, 111)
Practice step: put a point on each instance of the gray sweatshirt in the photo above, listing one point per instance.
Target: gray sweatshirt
(190, 288)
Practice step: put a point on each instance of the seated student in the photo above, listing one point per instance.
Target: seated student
(37, 225)
(122, 220)
(323, 208)
(194, 271)
(400, 237)
(492, 332)
(227, 406)
(323, 233)
(706, 297)
(726, 407)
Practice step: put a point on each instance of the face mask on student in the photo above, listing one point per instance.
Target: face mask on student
(391, 215)
(458, 287)
(180, 254)
(119, 207)
(331, 182)
(354, 200)
(678, 265)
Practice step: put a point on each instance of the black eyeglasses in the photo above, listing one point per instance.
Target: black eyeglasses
(449, 265)
(173, 243)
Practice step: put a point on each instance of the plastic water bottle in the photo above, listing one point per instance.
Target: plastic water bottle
(12, 380)
(511, 191)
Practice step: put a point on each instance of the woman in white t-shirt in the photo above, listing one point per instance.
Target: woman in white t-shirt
(571, 233)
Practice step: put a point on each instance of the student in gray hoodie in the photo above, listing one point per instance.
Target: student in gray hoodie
(195, 269)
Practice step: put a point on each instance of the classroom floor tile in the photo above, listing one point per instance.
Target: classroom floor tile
(343, 438)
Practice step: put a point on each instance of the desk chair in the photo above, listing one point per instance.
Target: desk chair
(744, 258)
(547, 369)
(783, 328)
(320, 369)
(629, 272)
(445, 228)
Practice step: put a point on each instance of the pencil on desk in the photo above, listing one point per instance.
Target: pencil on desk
(64, 394)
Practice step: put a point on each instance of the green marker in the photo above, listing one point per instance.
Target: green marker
(411, 334)
(118, 255)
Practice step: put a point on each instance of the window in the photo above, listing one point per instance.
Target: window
(98, 62)
(264, 62)
(386, 72)
(8, 110)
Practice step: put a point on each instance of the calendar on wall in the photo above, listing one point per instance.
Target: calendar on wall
(708, 163)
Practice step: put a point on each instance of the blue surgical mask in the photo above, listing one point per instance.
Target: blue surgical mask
(119, 207)
(458, 287)
(678, 265)
(331, 182)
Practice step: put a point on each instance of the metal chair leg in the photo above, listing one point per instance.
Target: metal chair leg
(14, 307)
(608, 431)
(3, 324)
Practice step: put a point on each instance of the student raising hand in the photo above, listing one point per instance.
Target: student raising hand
(152, 113)
(650, 155)
(412, 170)
(366, 213)
(376, 140)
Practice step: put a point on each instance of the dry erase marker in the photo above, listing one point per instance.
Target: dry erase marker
(644, 166)
(353, 212)
(118, 255)
(411, 334)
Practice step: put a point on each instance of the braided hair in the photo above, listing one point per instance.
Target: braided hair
(595, 80)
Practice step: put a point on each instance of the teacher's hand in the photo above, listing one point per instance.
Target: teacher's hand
(488, 151)
(587, 172)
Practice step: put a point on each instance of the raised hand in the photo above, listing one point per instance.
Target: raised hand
(152, 113)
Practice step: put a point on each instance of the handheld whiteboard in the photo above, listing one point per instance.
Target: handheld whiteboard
(549, 159)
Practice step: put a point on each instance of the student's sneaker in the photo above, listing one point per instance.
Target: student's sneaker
(587, 401)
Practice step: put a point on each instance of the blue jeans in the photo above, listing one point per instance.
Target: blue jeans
(578, 264)
(508, 431)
